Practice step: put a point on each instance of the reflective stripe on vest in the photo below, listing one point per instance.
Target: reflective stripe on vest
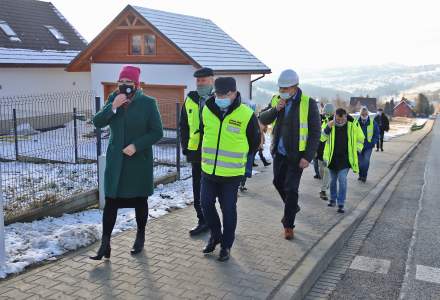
(303, 119)
(192, 111)
(370, 130)
(225, 145)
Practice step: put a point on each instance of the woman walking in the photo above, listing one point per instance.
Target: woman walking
(135, 126)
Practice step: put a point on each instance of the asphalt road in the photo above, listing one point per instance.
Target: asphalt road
(400, 258)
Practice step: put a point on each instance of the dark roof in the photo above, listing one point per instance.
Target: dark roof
(28, 19)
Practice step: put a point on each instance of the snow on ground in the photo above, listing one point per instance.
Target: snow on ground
(402, 126)
(59, 144)
(30, 243)
(27, 185)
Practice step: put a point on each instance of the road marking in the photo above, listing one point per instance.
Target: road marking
(369, 264)
(404, 290)
(429, 274)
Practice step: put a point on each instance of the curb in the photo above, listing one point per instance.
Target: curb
(302, 278)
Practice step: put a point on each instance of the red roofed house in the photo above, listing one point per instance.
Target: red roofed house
(403, 109)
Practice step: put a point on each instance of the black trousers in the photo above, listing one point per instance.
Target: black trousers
(286, 179)
(380, 141)
(196, 168)
(111, 212)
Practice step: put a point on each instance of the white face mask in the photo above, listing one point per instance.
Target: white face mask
(285, 96)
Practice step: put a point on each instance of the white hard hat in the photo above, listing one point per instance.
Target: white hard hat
(288, 78)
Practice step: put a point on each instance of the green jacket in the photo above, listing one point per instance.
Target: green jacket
(139, 124)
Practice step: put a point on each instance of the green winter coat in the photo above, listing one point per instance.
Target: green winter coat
(139, 124)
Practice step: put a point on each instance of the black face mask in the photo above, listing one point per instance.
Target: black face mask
(127, 89)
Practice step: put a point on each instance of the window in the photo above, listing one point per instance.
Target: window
(57, 34)
(143, 44)
(9, 31)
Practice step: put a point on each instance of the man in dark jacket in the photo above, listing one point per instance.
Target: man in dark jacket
(382, 121)
(296, 134)
(190, 136)
(230, 131)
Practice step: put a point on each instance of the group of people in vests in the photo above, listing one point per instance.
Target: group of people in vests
(220, 135)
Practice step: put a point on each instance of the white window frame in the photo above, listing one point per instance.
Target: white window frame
(57, 34)
(7, 29)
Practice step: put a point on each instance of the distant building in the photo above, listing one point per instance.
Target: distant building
(404, 109)
(357, 102)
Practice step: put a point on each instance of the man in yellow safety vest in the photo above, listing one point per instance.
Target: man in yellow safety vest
(343, 139)
(230, 131)
(190, 136)
(295, 139)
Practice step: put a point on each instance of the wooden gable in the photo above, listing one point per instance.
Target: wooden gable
(113, 45)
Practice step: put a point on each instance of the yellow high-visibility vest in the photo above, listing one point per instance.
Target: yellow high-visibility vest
(303, 119)
(225, 146)
(355, 144)
(193, 113)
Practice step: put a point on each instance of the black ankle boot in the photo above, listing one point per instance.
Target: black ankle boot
(224, 254)
(138, 245)
(104, 250)
(210, 247)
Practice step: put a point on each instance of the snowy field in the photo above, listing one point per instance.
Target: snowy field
(27, 186)
(30, 185)
(58, 144)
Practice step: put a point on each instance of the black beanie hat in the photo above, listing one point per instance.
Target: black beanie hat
(224, 85)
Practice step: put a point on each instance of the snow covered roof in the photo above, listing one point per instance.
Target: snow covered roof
(16, 56)
(200, 39)
(33, 24)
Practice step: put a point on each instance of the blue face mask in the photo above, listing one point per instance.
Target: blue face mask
(285, 96)
(223, 102)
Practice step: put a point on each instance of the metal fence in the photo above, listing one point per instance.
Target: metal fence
(49, 148)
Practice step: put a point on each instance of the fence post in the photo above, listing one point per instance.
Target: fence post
(14, 117)
(2, 226)
(75, 134)
(178, 139)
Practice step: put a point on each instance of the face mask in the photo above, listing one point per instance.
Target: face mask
(204, 90)
(223, 102)
(127, 89)
(340, 124)
(364, 118)
(285, 96)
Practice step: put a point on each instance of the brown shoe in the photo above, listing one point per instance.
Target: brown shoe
(288, 233)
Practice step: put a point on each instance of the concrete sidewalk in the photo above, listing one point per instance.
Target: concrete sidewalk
(172, 265)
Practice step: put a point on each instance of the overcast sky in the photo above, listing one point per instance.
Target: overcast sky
(300, 34)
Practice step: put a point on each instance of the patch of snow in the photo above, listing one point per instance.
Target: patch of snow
(30, 243)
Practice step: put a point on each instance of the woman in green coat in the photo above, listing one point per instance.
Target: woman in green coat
(135, 126)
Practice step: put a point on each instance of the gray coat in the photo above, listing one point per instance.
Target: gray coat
(289, 129)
